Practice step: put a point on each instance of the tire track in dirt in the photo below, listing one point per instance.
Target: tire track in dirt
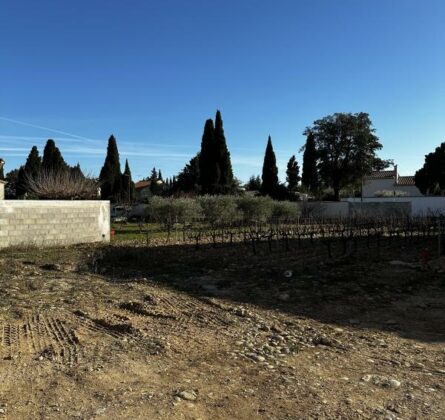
(116, 327)
(39, 336)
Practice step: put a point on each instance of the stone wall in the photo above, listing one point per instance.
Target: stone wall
(53, 223)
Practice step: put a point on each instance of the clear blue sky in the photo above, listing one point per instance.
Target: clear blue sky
(151, 72)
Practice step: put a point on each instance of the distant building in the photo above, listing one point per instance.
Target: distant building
(142, 190)
(389, 183)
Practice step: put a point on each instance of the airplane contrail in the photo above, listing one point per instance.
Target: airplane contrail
(46, 128)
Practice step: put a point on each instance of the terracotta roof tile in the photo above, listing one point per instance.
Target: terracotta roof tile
(142, 184)
(381, 175)
(406, 180)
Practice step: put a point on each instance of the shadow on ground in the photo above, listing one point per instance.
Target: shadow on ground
(385, 288)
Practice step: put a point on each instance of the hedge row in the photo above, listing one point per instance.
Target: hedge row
(220, 210)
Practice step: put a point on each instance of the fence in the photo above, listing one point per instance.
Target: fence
(330, 236)
(52, 223)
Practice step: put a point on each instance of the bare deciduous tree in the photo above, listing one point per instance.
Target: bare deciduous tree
(62, 185)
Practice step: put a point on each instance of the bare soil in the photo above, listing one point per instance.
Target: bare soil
(219, 333)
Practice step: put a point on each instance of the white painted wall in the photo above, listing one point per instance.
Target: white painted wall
(371, 186)
(420, 206)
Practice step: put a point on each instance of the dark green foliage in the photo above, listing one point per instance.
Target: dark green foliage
(76, 172)
(110, 177)
(188, 179)
(52, 158)
(255, 209)
(209, 172)
(225, 183)
(12, 178)
(31, 170)
(254, 183)
(128, 188)
(309, 178)
(219, 210)
(430, 179)
(160, 175)
(285, 211)
(156, 184)
(2, 173)
(270, 171)
(346, 148)
(292, 174)
(382, 164)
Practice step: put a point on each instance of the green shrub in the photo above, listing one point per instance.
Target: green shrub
(258, 209)
(285, 211)
(219, 210)
(168, 211)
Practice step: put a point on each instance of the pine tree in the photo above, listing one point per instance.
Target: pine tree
(52, 158)
(292, 174)
(209, 172)
(128, 189)
(269, 177)
(310, 179)
(110, 175)
(225, 182)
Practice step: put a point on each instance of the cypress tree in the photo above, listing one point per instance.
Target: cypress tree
(160, 175)
(269, 177)
(20, 188)
(188, 178)
(2, 173)
(225, 182)
(52, 158)
(33, 164)
(292, 174)
(110, 175)
(128, 188)
(209, 171)
(32, 169)
(76, 172)
(309, 177)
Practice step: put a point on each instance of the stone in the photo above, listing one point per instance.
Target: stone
(187, 395)
(382, 381)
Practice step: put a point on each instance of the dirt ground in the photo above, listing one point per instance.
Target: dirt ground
(178, 333)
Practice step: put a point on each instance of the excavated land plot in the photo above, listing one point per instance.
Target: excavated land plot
(220, 333)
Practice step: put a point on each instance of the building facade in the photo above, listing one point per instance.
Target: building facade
(389, 183)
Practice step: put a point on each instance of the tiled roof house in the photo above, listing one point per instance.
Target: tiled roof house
(391, 183)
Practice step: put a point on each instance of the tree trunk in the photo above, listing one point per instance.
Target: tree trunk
(337, 193)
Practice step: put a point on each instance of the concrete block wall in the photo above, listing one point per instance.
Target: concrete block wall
(53, 223)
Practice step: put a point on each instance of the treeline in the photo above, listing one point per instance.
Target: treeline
(340, 150)
(49, 176)
(430, 179)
